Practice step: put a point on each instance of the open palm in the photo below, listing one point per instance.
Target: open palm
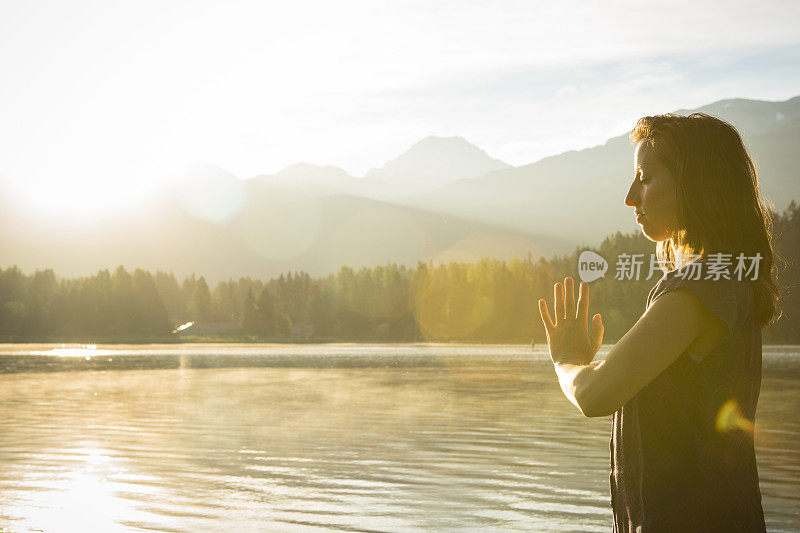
(568, 338)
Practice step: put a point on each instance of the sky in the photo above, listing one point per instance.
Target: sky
(100, 102)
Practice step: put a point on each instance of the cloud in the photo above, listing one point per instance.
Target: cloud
(257, 86)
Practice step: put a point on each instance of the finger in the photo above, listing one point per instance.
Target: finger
(597, 331)
(583, 302)
(569, 289)
(546, 320)
(558, 296)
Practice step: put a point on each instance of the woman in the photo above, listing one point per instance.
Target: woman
(683, 383)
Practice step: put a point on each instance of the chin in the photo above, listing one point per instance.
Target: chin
(655, 236)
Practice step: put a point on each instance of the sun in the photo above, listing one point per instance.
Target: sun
(76, 200)
(89, 194)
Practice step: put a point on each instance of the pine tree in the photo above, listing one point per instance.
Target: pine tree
(249, 322)
(200, 302)
(265, 314)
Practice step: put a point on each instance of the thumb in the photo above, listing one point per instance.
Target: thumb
(597, 331)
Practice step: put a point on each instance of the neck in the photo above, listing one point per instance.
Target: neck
(681, 254)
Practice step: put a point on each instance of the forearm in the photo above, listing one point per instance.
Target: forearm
(576, 382)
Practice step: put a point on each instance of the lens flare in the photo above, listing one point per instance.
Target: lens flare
(211, 194)
(477, 246)
(183, 327)
(730, 418)
(450, 311)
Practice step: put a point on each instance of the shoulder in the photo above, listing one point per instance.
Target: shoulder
(723, 300)
(701, 278)
(677, 309)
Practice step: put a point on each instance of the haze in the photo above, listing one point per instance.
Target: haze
(101, 102)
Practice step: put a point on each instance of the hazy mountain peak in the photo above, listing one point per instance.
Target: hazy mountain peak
(751, 117)
(299, 167)
(435, 146)
(205, 171)
(594, 180)
(304, 173)
(313, 181)
(436, 161)
(308, 170)
(437, 142)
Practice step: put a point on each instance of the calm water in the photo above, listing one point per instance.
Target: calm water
(317, 438)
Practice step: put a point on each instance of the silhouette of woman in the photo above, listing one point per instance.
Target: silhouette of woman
(683, 382)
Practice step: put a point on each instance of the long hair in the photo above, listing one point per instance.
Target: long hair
(719, 210)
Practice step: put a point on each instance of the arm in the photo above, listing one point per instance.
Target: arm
(657, 339)
(573, 378)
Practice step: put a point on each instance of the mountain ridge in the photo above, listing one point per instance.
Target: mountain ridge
(579, 193)
(318, 217)
(435, 161)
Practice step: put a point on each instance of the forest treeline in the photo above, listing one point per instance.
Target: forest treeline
(489, 301)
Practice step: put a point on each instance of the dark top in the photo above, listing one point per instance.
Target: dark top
(682, 454)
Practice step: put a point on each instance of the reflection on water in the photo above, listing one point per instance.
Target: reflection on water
(483, 441)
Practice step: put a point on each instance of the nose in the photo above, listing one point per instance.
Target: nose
(632, 198)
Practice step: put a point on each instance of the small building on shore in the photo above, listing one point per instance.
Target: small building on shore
(210, 329)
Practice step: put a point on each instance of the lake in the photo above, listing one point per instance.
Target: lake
(343, 437)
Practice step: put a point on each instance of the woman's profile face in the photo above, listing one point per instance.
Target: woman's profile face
(653, 195)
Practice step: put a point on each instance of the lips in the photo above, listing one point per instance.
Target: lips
(639, 216)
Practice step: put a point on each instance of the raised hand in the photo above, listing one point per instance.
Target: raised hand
(568, 337)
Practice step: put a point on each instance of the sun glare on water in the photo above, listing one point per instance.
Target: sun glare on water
(88, 496)
(83, 350)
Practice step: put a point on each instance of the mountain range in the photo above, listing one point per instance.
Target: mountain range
(580, 194)
(443, 199)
